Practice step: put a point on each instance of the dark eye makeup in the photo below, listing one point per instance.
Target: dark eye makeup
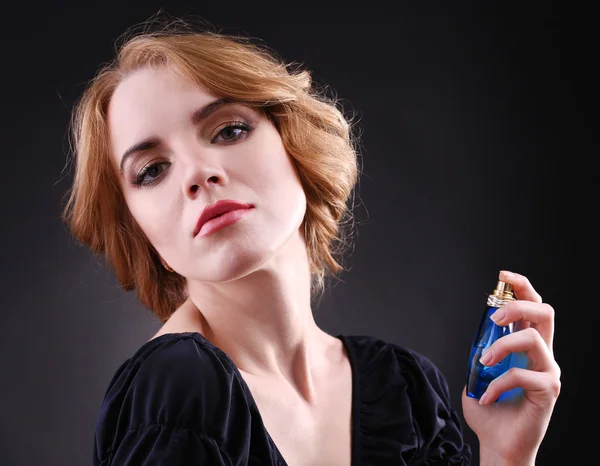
(151, 173)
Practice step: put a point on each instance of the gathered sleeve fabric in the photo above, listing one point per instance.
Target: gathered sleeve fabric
(161, 445)
(404, 412)
(178, 401)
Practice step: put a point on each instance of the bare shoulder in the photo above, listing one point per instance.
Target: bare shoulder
(186, 318)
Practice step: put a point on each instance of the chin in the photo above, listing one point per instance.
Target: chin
(261, 257)
(220, 268)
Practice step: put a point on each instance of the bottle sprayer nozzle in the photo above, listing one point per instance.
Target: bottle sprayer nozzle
(504, 291)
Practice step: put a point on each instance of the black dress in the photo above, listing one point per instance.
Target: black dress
(180, 401)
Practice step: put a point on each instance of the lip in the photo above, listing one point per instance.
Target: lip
(220, 214)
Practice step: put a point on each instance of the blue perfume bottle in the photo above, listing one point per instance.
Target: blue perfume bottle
(480, 376)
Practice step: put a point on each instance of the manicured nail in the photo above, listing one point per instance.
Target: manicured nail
(486, 357)
(498, 315)
(483, 399)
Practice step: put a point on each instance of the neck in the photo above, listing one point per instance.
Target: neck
(264, 321)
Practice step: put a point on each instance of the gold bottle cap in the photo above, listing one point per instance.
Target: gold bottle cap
(504, 291)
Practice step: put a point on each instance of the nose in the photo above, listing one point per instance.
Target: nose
(202, 173)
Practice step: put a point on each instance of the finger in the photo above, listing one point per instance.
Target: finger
(545, 386)
(528, 341)
(521, 286)
(539, 315)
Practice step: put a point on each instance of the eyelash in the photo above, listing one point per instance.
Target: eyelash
(138, 179)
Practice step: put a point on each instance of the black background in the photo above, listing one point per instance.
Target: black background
(478, 154)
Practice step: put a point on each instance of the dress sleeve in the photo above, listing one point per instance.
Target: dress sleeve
(160, 445)
(438, 422)
(176, 403)
(404, 413)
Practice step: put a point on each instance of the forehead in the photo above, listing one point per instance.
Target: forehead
(149, 90)
(148, 101)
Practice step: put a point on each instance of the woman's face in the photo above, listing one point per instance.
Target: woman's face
(185, 151)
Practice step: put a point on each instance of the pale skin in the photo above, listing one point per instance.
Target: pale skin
(249, 283)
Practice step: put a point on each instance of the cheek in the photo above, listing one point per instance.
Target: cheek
(280, 187)
(156, 215)
(276, 178)
(269, 165)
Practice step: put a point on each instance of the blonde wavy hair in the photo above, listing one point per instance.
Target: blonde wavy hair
(313, 129)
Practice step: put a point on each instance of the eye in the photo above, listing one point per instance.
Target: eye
(150, 173)
(232, 132)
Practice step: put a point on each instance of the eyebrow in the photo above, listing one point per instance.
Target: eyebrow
(198, 116)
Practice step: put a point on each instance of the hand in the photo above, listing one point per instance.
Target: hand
(511, 432)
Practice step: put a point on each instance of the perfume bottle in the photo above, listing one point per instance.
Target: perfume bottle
(480, 376)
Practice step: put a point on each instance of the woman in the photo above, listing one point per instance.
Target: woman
(215, 180)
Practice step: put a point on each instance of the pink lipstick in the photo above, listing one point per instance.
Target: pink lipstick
(219, 215)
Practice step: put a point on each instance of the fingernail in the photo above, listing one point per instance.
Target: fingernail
(498, 315)
(483, 399)
(486, 357)
(508, 274)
